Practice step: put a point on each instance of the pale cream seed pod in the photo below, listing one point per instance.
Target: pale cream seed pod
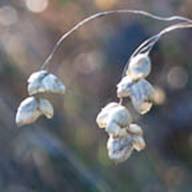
(27, 112)
(120, 115)
(139, 67)
(137, 135)
(142, 96)
(124, 87)
(101, 118)
(135, 129)
(115, 118)
(119, 148)
(114, 129)
(138, 143)
(46, 108)
(44, 82)
(141, 93)
(31, 109)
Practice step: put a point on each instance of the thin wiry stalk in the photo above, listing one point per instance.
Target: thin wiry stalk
(102, 14)
(148, 44)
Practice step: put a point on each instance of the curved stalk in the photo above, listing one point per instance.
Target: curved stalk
(148, 44)
(102, 14)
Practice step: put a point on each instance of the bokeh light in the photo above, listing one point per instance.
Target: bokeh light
(159, 96)
(37, 6)
(177, 77)
(8, 16)
(86, 63)
(105, 4)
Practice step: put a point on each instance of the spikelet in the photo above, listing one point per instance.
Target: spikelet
(31, 109)
(44, 82)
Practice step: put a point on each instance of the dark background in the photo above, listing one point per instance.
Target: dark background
(68, 153)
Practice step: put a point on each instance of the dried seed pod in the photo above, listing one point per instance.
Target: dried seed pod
(135, 129)
(114, 129)
(138, 143)
(139, 67)
(119, 148)
(115, 118)
(124, 87)
(120, 115)
(46, 108)
(44, 82)
(101, 119)
(31, 109)
(27, 112)
(141, 96)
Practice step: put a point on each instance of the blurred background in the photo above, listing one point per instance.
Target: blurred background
(68, 153)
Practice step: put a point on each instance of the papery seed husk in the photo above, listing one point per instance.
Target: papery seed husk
(27, 112)
(141, 96)
(120, 148)
(114, 129)
(115, 118)
(124, 87)
(44, 82)
(139, 67)
(31, 109)
(46, 108)
(139, 143)
(101, 119)
(142, 107)
(135, 129)
(120, 115)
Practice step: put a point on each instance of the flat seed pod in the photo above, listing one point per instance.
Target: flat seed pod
(135, 129)
(141, 96)
(46, 108)
(101, 119)
(139, 67)
(124, 87)
(114, 129)
(115, 118)
(31, 109)
(120, 115)
(120, 148)
(44, 82)
(27, 112)
(138, 143)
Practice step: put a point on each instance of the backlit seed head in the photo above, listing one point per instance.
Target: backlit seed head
(120, 115)
(135, 129)
(142, 96)
(124, 87)
(120, 148)
(139, 67)
(115, 118)
(31, 109)
(44, 82)
(102, 117)
(114, 129)
(46, 108)
(138, 143)
(27, 112)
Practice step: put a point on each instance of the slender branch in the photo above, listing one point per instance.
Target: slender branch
(148, 44)
(102, 14)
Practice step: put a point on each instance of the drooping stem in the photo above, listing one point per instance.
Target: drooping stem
(102, 14)
(148, 44)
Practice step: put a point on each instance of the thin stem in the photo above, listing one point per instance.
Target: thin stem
(102, 14)
(148, 44)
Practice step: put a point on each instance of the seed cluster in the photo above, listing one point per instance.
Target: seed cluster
(36, 105)
(124, 135)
